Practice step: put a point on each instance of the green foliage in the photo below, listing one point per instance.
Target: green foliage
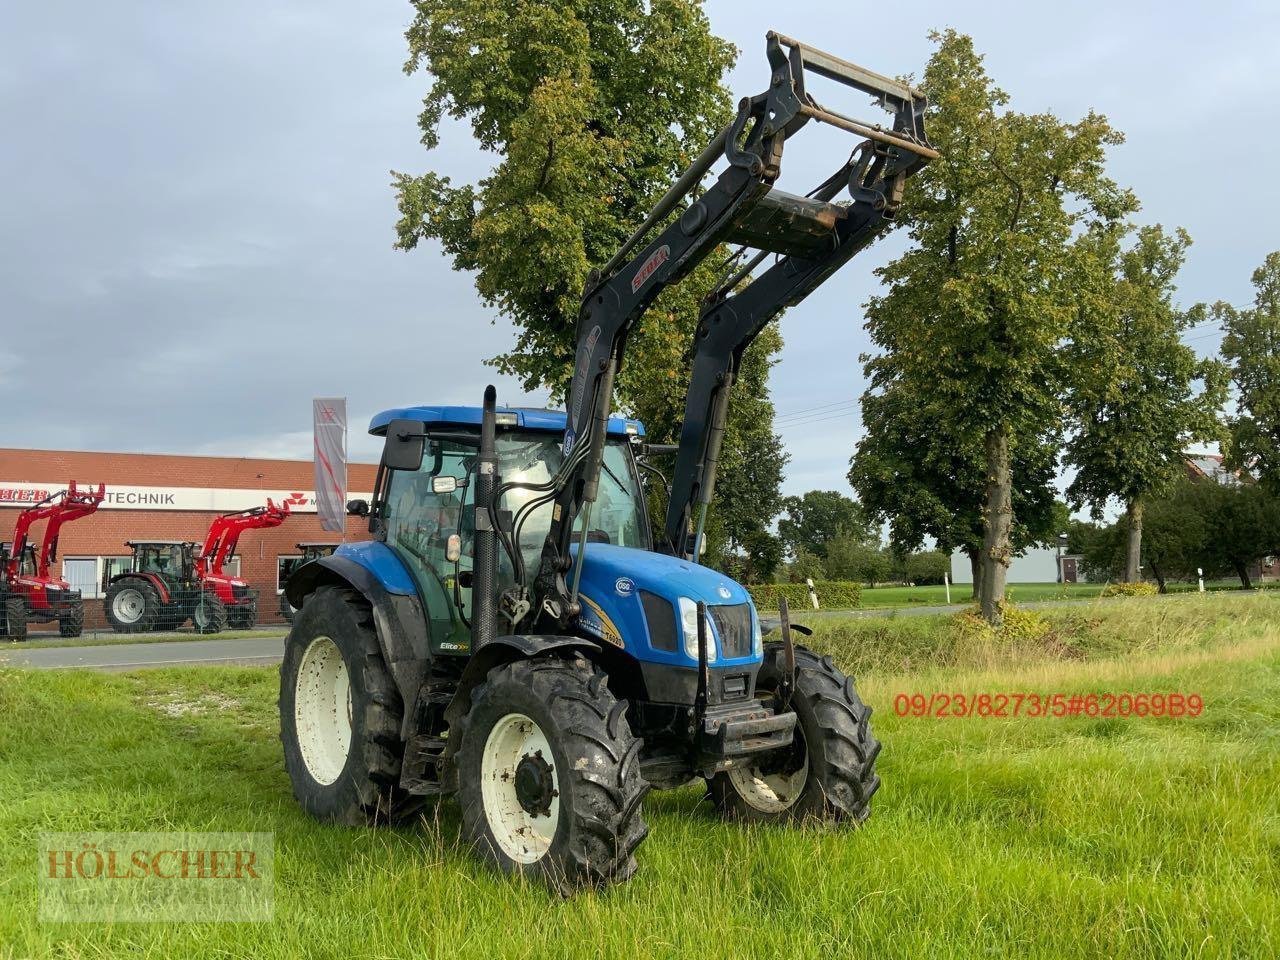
(590, 110)
(806, 566)
(1174, 533)
(811, 521)
(849, 558)
(759, 560)
(1017, 627)
(1135, 588)
(832, 594)
(970, 328)
(1242, 523)
(926, 567)
(1252, 348)
(1138, 395)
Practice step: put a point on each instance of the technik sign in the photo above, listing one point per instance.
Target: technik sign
(205, 499)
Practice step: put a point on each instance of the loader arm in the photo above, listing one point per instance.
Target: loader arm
(224, 534)
(811, 234)
(62, 507)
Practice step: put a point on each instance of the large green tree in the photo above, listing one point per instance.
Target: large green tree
(977, 308)
(589, 109)
(1138, 395)
(813, 519)
(1252, 348)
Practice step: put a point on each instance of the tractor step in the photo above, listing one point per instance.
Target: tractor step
(425, 771)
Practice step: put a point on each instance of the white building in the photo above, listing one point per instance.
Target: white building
(1037, 565)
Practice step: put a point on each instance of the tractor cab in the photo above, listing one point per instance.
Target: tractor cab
(427, 516)
(26, 566)
(172, 560)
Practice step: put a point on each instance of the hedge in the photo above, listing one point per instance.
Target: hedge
(1139, 589)
(839, 594)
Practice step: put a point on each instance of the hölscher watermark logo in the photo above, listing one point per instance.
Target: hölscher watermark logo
(156, 877)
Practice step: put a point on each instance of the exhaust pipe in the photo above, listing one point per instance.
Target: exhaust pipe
(484, 576)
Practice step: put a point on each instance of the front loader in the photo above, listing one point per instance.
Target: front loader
(512, 634)
(28, 591)
(171, 581)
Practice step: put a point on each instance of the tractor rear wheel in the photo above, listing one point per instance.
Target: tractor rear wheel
(209, 615)
(828, 772)
(243, 616)
(340, 715)
(132, 606)
(15, 617)
(549, 774)
(71, 623)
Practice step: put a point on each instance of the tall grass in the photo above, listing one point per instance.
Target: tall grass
(1071, 838)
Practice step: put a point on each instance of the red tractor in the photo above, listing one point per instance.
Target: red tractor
(27, 590)
(169, 582)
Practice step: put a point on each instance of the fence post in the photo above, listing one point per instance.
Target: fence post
(813, 594)
(1200, 577)
(946, 582)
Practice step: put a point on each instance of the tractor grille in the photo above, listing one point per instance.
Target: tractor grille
(661, 617)
(733, 623)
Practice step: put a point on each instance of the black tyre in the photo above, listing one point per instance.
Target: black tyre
(340, 715)
(131, 606)
(828, 773)
(243, 616)
(209, 613)
(15, 617)
(71, 623)
(549, 774)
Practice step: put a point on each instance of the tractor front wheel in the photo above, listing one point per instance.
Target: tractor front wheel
(549, 774)
(340, 715)
(828, 772)
(209, 615)
(71, 623)
(131, 606)
(243, 616)
(15, 617)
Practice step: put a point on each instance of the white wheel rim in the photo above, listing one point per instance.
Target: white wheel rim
(128, 605)
(322, 711)
(770, 792)
(523, 836)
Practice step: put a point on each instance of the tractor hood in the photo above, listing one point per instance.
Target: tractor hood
(614, 580)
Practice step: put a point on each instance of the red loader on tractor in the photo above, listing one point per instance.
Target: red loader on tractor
(169, 582)
(27, 590)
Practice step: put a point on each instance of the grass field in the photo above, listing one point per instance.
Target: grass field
(990, 838)
(930, 596)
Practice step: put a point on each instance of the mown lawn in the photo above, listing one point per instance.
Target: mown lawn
(1027, 838)
(930, 596)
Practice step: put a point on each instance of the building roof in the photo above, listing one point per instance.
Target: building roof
(551, 421)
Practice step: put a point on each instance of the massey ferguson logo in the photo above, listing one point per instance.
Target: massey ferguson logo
(296, 499)
(656, 259)
(327, 415)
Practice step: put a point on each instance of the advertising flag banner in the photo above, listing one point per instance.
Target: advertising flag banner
(330, 417)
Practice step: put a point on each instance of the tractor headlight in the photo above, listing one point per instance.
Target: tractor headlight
(757, 636)
(689, 624)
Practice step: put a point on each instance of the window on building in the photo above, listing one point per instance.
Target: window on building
(82, 574)
(285, 565)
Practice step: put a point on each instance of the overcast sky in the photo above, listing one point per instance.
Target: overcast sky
(197, 222)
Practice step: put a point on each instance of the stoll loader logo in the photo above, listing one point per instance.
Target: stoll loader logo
(656, 259)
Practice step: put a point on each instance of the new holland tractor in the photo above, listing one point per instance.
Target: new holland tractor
(28, 591)
(169, 582)
(514, 635)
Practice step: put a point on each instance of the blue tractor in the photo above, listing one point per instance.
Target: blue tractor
(517, 633)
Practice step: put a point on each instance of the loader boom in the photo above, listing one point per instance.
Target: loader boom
(63, 506)
(224, 534)
(812, 236)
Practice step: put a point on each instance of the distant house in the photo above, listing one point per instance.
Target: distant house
(1037, 565)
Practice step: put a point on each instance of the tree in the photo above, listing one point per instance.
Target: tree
(976, 309)
(1175, 535)
(805, 566)
(1243, 526)
(1138, 395)
(591, 109)
(921, 471)
(812, 520)
(852, 559)
(1252, 347)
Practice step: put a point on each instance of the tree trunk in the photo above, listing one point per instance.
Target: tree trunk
(997, 522)
(1155, 572)
(1133, 556)
(1243, 570)
(975, 567)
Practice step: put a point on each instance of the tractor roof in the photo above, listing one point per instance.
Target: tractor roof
(157, 543)
(528, 418)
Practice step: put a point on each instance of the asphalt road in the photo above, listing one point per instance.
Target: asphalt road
(166, 653)
(270, 650)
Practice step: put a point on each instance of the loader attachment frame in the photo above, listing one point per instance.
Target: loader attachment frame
(812, 236)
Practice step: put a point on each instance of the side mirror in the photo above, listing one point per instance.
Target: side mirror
(358, 508)
(404, 446)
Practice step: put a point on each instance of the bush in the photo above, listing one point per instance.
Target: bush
(1139, 589)
(838, 594)
(926, 568)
